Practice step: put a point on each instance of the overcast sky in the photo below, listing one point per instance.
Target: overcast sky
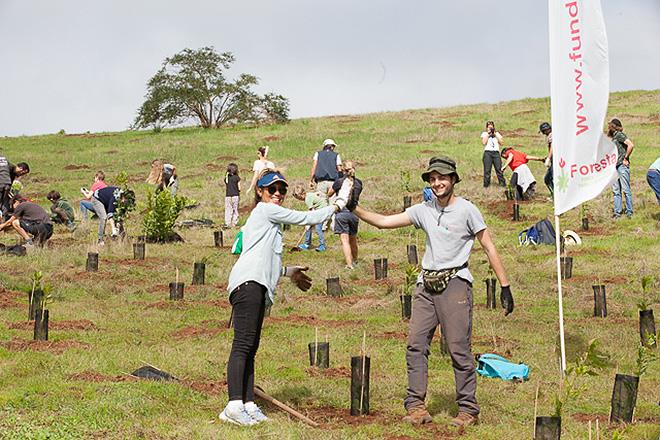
(83, 65)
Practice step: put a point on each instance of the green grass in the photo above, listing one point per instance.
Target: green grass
(40, 399)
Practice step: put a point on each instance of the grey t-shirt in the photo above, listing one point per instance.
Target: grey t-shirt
(450, 233)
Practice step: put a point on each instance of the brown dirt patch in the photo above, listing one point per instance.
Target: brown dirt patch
(330, 373)
(603, 419)
(62, 242)
(77, 167)
(8, 297)
(523, 112)
(93, 376)
(597, 230)
(312, 321)
(214, 167)
(207, 329)
(56, 347)
(427, 152)
(504, 209)
(398, 335)
(494, 345)
(227, 158)
(209, 387)
(272, 138)
(518, 132)
(79, 324)
(443, 124)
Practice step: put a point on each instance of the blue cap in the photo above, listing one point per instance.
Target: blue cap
(270, 178)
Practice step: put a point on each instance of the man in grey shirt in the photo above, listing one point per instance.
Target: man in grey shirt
(443, 295)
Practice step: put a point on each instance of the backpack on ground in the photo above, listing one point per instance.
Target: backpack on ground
(492, 365)
(540, 233)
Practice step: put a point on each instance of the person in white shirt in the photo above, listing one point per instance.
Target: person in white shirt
(491, 139)
(260, 164)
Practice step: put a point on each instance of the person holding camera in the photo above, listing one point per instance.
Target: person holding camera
(491, 139)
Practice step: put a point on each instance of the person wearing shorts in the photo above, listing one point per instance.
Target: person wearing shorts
(346, 223)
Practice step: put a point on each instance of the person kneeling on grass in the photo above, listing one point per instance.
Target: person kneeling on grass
(28, 219)
(314, 200)
(61, 210)
(443, 294)
(252, 283)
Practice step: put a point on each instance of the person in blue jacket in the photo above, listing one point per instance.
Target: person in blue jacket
(252, 283)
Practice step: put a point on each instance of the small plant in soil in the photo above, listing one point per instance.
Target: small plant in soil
(573, 386)
(646, 355)
(412, 272)
(163, 209)
(647, 282)
(405, 181)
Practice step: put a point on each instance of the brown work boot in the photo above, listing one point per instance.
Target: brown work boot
(463, 420)
(418, 415)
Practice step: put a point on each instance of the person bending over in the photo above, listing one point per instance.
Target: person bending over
(30, 221)
(522, 179)
(443, 294)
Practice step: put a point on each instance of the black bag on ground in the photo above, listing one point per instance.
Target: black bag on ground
(540, 233)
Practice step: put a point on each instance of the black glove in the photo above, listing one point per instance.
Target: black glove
(506, 299)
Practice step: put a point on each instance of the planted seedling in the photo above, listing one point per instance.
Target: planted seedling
(176, 288)
(319, 352)
(584, 211)
(491, 286)
(412, 272)
(138, 250)
(92, 262)
(646, 318)
(360, 367)
(199, 271)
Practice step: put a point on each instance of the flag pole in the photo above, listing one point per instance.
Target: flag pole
(559, 294)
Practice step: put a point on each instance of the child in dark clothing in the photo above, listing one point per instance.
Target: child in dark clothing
(233, 185)
(61, 210)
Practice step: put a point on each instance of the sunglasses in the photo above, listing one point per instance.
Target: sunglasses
(282, 189)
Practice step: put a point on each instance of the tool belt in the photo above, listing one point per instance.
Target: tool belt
(436, 281)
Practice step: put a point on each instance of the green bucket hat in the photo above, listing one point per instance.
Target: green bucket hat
(442, 165)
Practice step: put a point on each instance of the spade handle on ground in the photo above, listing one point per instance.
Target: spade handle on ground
(262, 395)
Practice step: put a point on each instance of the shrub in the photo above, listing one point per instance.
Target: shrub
(162, 211)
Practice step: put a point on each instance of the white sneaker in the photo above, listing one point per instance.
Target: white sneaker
(237, 416)
(255, 412)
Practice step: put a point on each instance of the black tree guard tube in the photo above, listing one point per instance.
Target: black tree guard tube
(647, 327)
(411, 250)
(92, 262)
(566, 264)
(41, 325)
(34, 301)
(600, 303)
(406, 306)
(624, 398)
(407, 202)
(547, 428)
(333, 288)
(516, 212)
(218, 239)
(360, 385)
(199, 271)
(491, 285)
(138, 251)
(319, 354)
(176, 291)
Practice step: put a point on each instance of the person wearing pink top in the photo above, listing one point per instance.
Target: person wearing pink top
(86, 204)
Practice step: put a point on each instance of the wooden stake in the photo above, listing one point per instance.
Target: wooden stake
(597, 430)
(316, 345)
(590, 429)
(177, 275)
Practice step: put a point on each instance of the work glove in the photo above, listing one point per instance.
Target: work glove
(299, 277)
(344, 194)
(506, 299)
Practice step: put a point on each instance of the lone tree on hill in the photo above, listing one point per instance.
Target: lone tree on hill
(191, 85)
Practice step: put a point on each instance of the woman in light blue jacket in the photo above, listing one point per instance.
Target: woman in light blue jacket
(252, 284)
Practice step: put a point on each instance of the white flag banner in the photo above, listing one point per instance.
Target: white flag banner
(584, 159)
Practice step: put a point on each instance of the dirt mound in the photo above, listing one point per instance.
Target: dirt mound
(93, 376)
(398, 335)
(207, 329)
(312, 321)
(8, 298)
(209, 387)
(271, 138)
(428, 152)
(79, 324)
(77, 167)
(331, 373)
(56, 347)
(214, 167)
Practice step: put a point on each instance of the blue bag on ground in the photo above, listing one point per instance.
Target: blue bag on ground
(539, 233)
(492, 365)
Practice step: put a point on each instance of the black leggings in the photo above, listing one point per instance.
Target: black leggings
(249, 302)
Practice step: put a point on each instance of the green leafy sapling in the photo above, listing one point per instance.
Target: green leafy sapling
(573, 386)
(646, 354)
(412, 272)
(647, 281)
(405, 181)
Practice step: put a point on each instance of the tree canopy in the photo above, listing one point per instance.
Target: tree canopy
(192, 85)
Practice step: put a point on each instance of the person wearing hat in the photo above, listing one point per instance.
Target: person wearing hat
(546, 129)
(624, 148)
(252, 283)
(326, 166)
(443, 294)
(491, 139)
(28, 218)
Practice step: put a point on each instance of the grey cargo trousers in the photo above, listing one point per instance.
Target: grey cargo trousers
(452, 309)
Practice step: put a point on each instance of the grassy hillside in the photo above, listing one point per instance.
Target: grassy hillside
(108, 323)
